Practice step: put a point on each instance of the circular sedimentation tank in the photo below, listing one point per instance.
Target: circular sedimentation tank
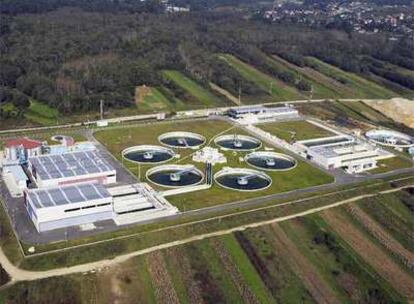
(146, 154)
(238, 142)
(174, 176)
(57, 138)
(270, 161)
(182, 140)
(390, 138)
(242, 179)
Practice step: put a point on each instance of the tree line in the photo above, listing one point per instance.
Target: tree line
(72, 57)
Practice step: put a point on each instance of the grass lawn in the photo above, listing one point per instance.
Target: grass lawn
(280, 279)
(304, 175)
(279, 90)
(391, 164)
(203, 95)
(362, 87)
(303, 130)
(155, 101)
(41, 114)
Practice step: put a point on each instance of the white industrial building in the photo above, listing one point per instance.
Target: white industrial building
(60, 207)
(87, 203)
(259, 114)
(343, 152)
(70, 168)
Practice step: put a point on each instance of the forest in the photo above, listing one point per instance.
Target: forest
(70, 54)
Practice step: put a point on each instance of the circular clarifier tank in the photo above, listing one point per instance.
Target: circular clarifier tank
(390, 138)
(270, 161)
(146, 154)
(175, 175)
(238, 142)
(182, 140)
(242, 179)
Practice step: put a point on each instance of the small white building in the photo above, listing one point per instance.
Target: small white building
(209, 155)
(15, 179)
(73, 205)
(70, 168)
(18, 175)
(248, 115)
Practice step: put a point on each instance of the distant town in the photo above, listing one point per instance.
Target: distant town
(352, 16)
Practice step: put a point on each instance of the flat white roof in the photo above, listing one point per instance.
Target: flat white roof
(341, 149)
(18, 172)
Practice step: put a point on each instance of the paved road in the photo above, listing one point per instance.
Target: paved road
(16, 274)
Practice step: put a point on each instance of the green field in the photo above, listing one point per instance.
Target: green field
(41, 114)
(156, 101)
(304, 175)
(278, 90)
(361, 87)
(394, 214)
(301, 130)
(321, 87)
(204, 96)
(341, 267)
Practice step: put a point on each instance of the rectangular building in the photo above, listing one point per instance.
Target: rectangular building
(70, 168)
(260, 114)
(342, 151)
(66, 206)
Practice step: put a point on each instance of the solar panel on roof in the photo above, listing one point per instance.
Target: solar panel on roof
(69, 164)
(67, 195)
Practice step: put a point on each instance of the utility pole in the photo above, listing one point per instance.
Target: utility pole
(101, 107)
(239, 94)
(311, 92)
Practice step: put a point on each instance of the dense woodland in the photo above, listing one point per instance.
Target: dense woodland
(70, 54)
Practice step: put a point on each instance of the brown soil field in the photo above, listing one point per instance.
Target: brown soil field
(399, 109)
